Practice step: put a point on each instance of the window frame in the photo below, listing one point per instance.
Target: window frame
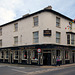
(72, 40)
(34, 55)
(1, 54)
(16, 27)
(67, 57)
(24, 54)
(0, 31)
(16, 42)
(68, 40)
(7, 55)
(0, 42)
(36, 37)
(35, 22)
(57, 22)
(58, 38)
(16, 55)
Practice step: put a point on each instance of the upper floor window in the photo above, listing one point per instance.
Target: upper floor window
(72, 39)
(16, 26)
(35, 37)
(0, 31)
(16, 40)
(0, 43)
(35, 21)
(57, 37)
(68, 39)
(57, 22)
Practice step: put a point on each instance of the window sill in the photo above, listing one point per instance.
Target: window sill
(34, 59)
(1, 58)
(67, 59)
(35, 26)
(35, 43)
(15, 59)
(58, 26)
(24, 59)
(70, 45)
(15, 31)
(58, 43)
(15, 44)
(6, 58)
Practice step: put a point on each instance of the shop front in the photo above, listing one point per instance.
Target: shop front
(30, 55)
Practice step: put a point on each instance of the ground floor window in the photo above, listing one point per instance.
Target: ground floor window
(66, 55)
(6, 54)
(24, 55)
(58, 53)
(16, 54)
(2, 54)
(34, 54)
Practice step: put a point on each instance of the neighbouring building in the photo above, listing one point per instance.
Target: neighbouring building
(44, 32)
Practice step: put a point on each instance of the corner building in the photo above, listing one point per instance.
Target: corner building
(44, 30)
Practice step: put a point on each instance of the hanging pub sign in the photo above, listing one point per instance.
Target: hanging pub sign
(47, 32)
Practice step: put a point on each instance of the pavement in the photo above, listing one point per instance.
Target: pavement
(18, 69)
(61, 66)
(64, 71)
(21, 65)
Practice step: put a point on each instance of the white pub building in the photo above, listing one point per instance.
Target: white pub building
(38, 38)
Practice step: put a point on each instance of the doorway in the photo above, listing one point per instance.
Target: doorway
(46, 58)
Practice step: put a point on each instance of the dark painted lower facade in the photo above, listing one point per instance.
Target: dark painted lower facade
(29, 55)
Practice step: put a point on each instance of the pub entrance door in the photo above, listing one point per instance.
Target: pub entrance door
(46, 58)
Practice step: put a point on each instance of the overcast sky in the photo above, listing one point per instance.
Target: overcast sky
(14, 9)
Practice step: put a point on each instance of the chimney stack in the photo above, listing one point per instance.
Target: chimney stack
(49, 7)
(25, 15)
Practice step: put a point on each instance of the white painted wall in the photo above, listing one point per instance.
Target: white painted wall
(26, 29)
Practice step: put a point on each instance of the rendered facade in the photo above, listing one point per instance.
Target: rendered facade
(46, 30)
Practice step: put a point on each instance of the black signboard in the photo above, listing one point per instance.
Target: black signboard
(47, 32)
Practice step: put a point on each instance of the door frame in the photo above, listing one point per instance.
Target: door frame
(50, 57)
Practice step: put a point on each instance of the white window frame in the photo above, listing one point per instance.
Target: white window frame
(0, 31)
(16, 27)
(0, 42)
(36, 37)
(35, 21)
(57, 22)
(58, 37)
(16, 41)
